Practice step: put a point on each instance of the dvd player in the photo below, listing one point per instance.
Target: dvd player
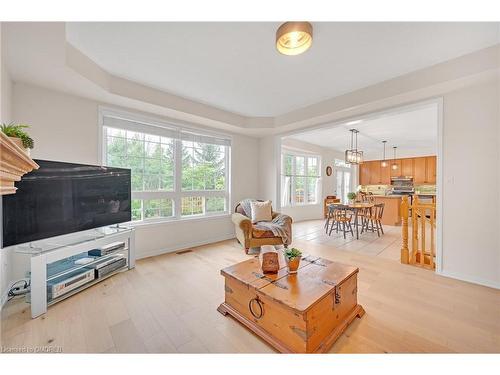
(107, 249)
(61, 285)
(107, 265)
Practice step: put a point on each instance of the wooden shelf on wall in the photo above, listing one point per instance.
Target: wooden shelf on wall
(14, 163)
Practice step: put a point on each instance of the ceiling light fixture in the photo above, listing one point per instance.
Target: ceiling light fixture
(394, 165)
(294, 38)
(383, 164)
(353, 155)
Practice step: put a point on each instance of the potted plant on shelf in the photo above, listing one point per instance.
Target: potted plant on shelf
(292, 258)
(18, 135)
(351, 196)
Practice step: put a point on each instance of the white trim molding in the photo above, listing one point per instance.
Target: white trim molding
(470, 279)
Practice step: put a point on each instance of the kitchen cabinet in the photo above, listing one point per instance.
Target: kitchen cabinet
(374, 168)
(422, 169)
(407, 167)
(364, 174)
(396, 172)
(430, 172)
(392, 209)
(385, 174)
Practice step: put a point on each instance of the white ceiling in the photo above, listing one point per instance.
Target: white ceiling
(235, 66)
(414, 132)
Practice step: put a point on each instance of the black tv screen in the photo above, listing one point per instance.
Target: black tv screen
(61, 198)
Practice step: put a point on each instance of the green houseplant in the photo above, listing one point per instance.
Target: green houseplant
(18, 134)
(292, 258)
(351, 196)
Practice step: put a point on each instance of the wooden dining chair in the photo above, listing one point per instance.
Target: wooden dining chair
(370, 197)
(374, 217)
(329, 217)
(342, 216)
(363, 213)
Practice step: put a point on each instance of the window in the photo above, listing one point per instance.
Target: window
(341, 163)
(300, 179)
(176, 173)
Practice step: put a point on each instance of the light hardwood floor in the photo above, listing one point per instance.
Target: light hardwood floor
(167, 304)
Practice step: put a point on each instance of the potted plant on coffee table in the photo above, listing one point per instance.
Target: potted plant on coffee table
(18, 135)
(292, 258)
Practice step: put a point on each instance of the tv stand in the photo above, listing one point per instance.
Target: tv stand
(63, 251)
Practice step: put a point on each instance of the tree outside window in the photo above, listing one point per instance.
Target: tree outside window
(202, 174)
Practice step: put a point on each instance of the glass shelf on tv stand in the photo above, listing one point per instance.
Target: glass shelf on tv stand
(70, 265)
(54, 243)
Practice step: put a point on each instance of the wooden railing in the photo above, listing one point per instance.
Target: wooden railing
(422, 217)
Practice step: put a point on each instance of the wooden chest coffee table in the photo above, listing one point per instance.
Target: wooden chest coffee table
(299, 313)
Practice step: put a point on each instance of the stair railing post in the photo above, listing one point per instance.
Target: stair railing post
(405, 252)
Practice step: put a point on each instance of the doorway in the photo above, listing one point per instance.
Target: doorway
(415, 154)
(342, 184)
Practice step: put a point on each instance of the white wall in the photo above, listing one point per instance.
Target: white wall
(65, 128)
(5, 117)
(267, 170)
(471, 247)
(314, 211)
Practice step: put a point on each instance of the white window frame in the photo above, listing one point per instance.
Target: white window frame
(159, 126)
(295, 154)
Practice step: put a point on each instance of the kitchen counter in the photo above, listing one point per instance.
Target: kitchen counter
(392, 208)
(392, 196)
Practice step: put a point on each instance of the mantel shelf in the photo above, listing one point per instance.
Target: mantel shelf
(14, 163)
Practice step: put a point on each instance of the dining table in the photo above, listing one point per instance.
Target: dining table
(356, 207)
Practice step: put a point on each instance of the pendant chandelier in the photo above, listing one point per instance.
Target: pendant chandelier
(394, 165)
(383, 164)
(353, 155)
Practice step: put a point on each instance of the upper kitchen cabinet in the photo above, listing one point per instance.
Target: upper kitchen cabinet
(385, 174)
(374, 168)
(422, 169)
(407, 167)
(364, 173)
(430, 171)
(420, 176)
(395, 172)
(425, 170)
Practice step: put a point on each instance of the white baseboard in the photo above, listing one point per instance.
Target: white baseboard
(469, 279)
(185, 246)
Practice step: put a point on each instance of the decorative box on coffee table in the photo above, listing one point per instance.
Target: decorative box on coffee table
(296, 313)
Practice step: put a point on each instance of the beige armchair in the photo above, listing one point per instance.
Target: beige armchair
(250, 236)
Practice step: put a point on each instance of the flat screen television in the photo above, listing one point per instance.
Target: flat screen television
(61, 198)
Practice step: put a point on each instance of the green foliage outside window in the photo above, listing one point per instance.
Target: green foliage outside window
(151, 160)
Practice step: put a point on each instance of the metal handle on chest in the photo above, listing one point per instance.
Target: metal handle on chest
(261, 309)
(337, 297)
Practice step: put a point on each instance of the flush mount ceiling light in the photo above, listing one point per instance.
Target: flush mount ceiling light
(294, 38)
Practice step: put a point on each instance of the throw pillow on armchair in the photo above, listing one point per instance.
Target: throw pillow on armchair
(261, 211)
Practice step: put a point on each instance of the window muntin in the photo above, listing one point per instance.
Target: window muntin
(203, 166)
(300, 179)
(174, 175)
